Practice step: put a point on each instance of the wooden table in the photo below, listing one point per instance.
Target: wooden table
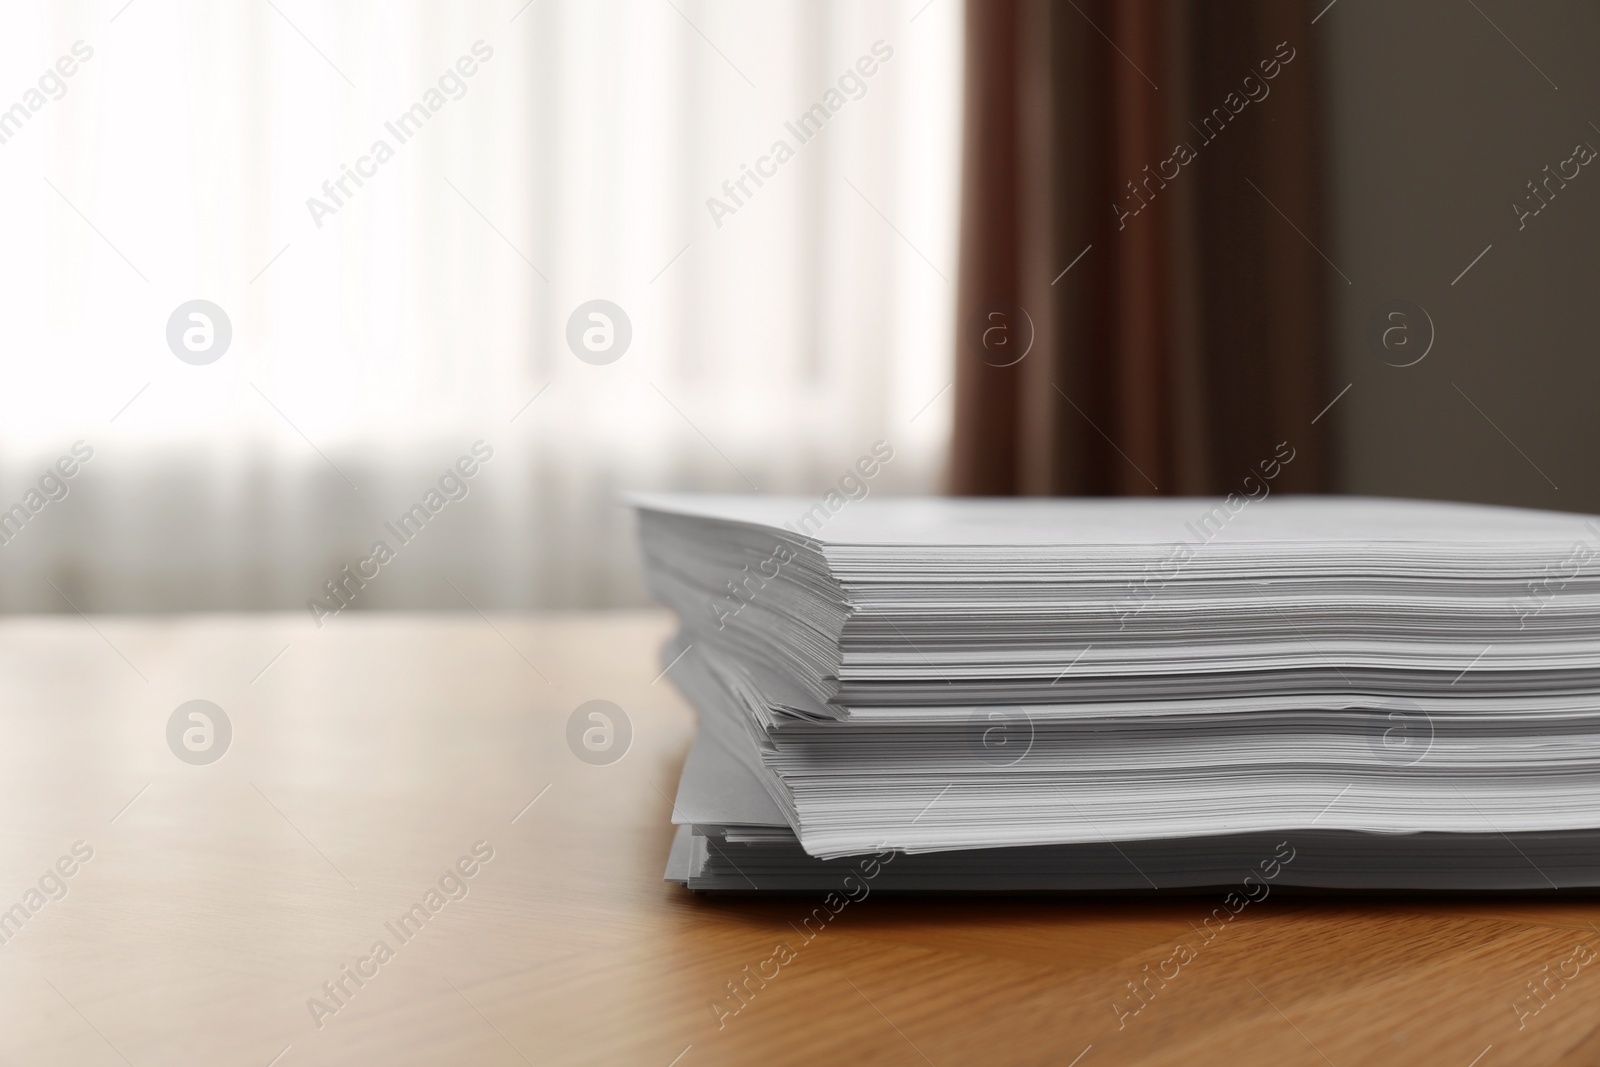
(369, 757)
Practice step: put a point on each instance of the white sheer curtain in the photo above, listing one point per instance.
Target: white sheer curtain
(378, 336)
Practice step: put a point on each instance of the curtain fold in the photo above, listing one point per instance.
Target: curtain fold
(1141, 201)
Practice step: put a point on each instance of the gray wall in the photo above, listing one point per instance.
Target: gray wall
(1437, 124)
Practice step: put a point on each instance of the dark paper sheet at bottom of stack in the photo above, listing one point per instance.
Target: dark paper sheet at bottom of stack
(732, 837)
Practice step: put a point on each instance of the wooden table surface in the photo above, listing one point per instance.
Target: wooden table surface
(368, 758)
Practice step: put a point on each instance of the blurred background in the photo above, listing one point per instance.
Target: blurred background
(1085, 247)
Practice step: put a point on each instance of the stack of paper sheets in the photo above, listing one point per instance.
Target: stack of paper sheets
(1105, 694)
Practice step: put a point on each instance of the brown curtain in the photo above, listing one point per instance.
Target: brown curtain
(1166, 151)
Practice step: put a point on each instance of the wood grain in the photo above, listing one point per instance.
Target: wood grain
(374, 753)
